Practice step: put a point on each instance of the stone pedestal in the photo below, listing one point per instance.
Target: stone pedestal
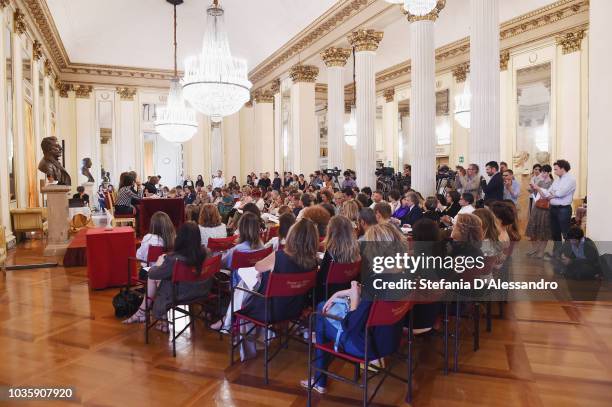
(89, 190)
(57, 213)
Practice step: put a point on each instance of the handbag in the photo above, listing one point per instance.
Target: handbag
(542, 203)
(339, 309)
(126, 303)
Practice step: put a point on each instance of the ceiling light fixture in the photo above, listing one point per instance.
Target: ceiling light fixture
(416, 7)
(216, 83)
(175, 121)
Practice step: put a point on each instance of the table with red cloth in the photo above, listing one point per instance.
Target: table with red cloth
(76, 253)
(173, 207)
(107, 254)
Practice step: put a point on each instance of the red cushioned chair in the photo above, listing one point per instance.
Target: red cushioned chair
(248, 259)
(271, 233)
(279, 285)
(341, 273)
(382, 313)
(133, 262)
(221, 244)
(182, 273)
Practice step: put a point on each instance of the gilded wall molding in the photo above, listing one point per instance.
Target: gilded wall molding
(365, 40)
(275, 86)
(83, 91)
(63, 88)
(333, 56)
(48, 68)
(504, 58)
(571, 41)
(37, 52)
(304, 73)
(126, 93)
(460, 72)
(389, 94)
(19, 24)
(263, 96)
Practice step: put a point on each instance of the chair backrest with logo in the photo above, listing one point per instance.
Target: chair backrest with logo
(221, 244)
(387, 312)
(290, 284)
(248, 259)
(341, 273)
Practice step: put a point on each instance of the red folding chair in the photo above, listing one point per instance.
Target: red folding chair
(221, 244)
(248, 259)
(271, 233)
(279, 285)
(382, 313)
(133, 262)
(183, 273)
(341, 273)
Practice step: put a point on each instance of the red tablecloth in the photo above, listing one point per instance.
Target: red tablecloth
(107, 254)
(76, 253)
(174, 207)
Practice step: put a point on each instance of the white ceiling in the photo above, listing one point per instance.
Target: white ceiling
(138, 33)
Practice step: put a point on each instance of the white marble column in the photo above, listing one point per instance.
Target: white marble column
(264, 131)
(391, 129)
(247, 159)
(231, 146)
(600, 106)
(335, 60)
(423, 106)
(305, 143)
(216, 148)
(484, 144)
(365, 43)
(278, 127)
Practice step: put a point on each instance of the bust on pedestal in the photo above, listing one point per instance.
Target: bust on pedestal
(57, 196)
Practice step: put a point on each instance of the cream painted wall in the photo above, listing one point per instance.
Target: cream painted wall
(264, 135)
(66, 127)
(247, 142)
(232, 148)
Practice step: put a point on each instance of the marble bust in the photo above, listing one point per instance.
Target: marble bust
(85, 169)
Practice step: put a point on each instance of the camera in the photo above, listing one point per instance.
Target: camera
(385, 172)
(332, 172)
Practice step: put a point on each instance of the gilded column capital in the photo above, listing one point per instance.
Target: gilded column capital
(389, 94)
(263, 96)
(83, 91)
(504, 57)
(63, 88)
(275, 87)
(4, 3)
(304, 73)
(431, 16)
(335, 56)
(37, 52)
(365, 40)
(19, 21)
(48, 68)
(571, 41)
(126, 93)
(460, 72)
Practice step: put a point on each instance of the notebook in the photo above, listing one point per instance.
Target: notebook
(249, 276)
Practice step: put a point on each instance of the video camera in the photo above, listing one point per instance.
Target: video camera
(385, 172)
(332, 172)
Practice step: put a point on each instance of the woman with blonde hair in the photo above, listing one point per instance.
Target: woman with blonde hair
(350, 209)
(210, 223)
(341, 246)
(493, 245)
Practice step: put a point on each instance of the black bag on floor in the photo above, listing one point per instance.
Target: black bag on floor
(126, 303)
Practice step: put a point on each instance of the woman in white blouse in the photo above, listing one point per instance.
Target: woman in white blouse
(161, 233)
(210, 224)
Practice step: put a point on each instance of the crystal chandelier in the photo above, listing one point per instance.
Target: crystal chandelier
(175, 122)
(416, 7)
(216, 83)
(463, 103)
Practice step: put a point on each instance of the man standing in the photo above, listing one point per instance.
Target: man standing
(264, 181)
(277, 182)
(218, 181)
(494, 189)
(561, 195)
(512, 188)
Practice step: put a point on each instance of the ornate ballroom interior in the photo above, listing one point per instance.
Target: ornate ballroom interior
(316, 84)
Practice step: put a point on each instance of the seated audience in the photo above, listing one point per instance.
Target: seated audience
(161, 233)
(409, 211)
(192, 212)
(210, 224)
(285, 221)
(383, 212)
(431, 209)
(81, 195)
(367, 218)
(350, 210)
(320, 217)
(579, 257)
(127, 199)
(249, 239)
(505, 211)
(186, 248)
(452, 207)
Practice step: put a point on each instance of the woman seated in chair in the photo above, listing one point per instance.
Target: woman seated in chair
(161, 233)
(354, 311)
(298, 256)
(187, 248)
(126, 197)
(210, 223)
(285, 221)
(249, 239)
(341, 246)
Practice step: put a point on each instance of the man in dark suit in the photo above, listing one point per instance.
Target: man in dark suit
(414, 213)
(277, 182)
(494, 189)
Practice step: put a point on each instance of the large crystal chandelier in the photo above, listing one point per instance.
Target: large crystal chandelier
(463, 103)
(416, 7)
(216, 83)
(176, 122)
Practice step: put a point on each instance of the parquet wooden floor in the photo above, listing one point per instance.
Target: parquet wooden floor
(54, 331)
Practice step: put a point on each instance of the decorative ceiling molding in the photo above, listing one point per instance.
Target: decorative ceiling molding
(126, 93)
(449, 56)
(344, 10)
